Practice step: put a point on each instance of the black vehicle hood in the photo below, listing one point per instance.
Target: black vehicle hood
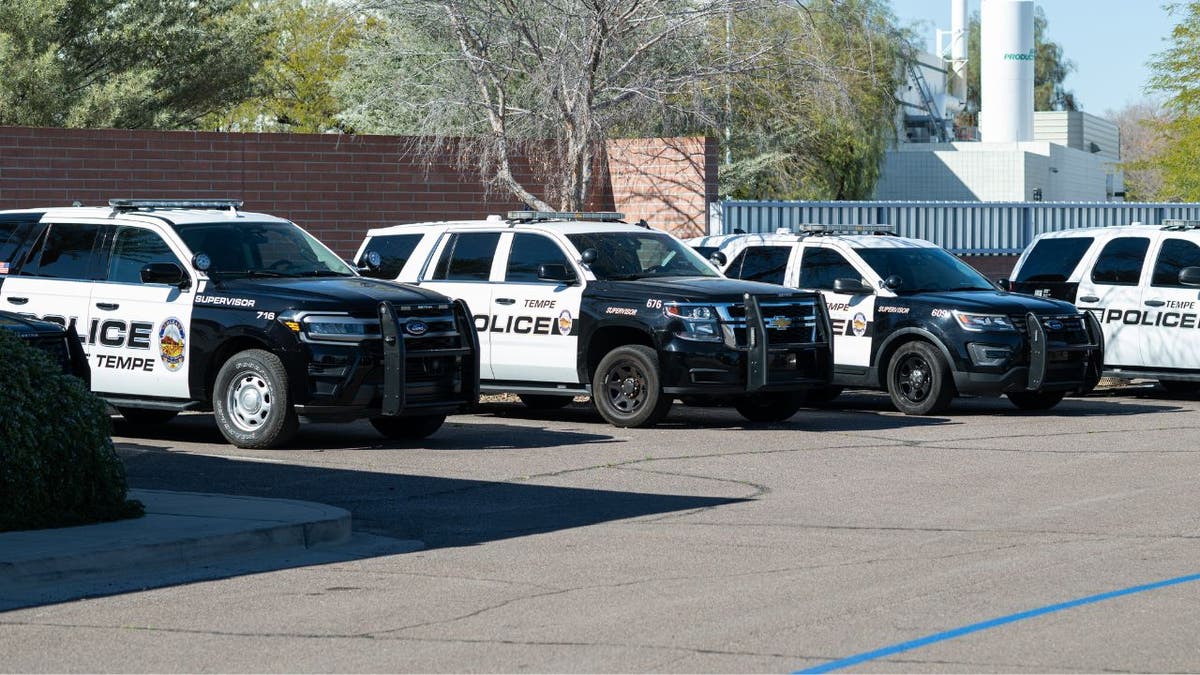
(25, 326)
(990, 302)
(321, 293)
(688, 289)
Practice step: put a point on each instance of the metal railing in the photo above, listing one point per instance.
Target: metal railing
(965, 228)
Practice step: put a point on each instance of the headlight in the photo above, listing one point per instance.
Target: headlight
(699, 322)
(983, 322)
(331, 327)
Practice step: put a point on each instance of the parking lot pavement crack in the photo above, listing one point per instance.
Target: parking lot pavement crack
(964, 666)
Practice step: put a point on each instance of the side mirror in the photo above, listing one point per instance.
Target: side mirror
(893, 282)
(1004, 284)
(852, 287)
(1190, 276)
(588, 257)
(164, 273)
(556, 273)
(370, 262)
(717, 258)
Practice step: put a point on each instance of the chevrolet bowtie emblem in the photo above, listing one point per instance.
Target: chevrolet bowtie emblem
(779, 323)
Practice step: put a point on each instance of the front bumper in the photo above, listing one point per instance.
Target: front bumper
(400, 374)
(1046, 364)
(752, 357)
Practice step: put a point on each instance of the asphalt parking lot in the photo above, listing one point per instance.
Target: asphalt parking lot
(851, 538)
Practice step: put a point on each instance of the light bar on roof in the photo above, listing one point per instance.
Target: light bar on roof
(135, 204)
(1180, 224)
(603, 216)
(846, 229)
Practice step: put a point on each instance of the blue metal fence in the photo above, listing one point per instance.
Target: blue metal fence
(966, 228)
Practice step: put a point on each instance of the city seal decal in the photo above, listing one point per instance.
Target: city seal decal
(172, 343)
(859, 324)
(565, 322)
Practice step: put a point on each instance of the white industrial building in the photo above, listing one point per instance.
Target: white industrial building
(1016, 154)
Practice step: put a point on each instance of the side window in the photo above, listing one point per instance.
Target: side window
(14, 241)
(761, 263)
(394, 251)
(467, 257)
(1174, 255)
(133, 249)
(65, 252)
(819, 267)
(1120, 263)
(1053, 259)
(529, 251)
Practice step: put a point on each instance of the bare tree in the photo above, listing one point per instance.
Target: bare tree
(1142, 140)
(550, 79)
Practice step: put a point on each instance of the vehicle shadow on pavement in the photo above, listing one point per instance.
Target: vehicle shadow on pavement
(440, 511)
(1095, 405)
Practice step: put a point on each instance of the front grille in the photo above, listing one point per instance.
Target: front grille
(787, 322)
(1070, 330)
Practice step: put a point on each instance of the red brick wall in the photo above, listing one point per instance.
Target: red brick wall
(667, 181)
(335, 186)
(992, 266)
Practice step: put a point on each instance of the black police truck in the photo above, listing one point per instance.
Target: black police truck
(197, 305)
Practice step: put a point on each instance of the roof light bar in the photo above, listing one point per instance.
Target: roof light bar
(531, 216)
(803, 230)
(149, 204)
(1180, 224)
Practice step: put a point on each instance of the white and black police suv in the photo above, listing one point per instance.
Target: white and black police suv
(584, 304)
(1142, 283)
(192, 305)
(914, 320)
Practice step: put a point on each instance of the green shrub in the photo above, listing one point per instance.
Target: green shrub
(57, 462)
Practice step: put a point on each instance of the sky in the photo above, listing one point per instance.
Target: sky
(1110, 42)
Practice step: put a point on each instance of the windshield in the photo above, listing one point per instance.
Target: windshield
(924, 269)
(640, 255)
(238, 249)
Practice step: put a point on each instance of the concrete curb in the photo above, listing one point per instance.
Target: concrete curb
(180, 529)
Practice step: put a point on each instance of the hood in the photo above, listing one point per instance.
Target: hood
(27, 327)
(346, 294)
(993, 302)
(690, 289)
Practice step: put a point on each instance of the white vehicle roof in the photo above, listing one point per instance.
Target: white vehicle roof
(493, 222)
(174, 215)
(781, 239)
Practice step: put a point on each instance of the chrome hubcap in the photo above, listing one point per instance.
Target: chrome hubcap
(249, 401)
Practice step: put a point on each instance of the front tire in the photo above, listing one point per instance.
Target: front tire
(251, 402)
(1036, 400)
(627, 388)
(545, 401)
(919, 380)
(147, 416)
(774, 407)
(408, 428)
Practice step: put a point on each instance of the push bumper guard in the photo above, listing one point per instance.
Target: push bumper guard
(1038, 353)
(396, 356)
(814, 356)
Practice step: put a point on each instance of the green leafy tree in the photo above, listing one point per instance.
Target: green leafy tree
(815, 121)
(1176, 76)
(309, 43)
(1050, 70)
(161, 64)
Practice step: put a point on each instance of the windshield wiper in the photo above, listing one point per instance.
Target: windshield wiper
(624, 277)
(322, 273)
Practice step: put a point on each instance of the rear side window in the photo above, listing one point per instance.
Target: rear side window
(1174, 255)
(1054, 259)
(65, 252)
(1120, 263)
(761, 263)
(14, 240)
(819, 267)
(467, 257)
(394, 251)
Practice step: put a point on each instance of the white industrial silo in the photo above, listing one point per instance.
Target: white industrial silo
(1006, 58)
(958, 49)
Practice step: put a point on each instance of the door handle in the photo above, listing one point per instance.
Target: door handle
(1089, 298)
(1154, 303)
(17, 301)
(505, 301)
(107, 305)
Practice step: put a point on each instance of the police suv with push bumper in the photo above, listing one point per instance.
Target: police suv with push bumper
(583, 304)
(914, 320)
(263, 324)
(1141, 282)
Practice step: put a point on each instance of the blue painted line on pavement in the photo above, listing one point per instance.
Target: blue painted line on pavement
(992, 623)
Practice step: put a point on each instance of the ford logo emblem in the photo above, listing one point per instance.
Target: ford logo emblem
(416, 327)
(1054, 324)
